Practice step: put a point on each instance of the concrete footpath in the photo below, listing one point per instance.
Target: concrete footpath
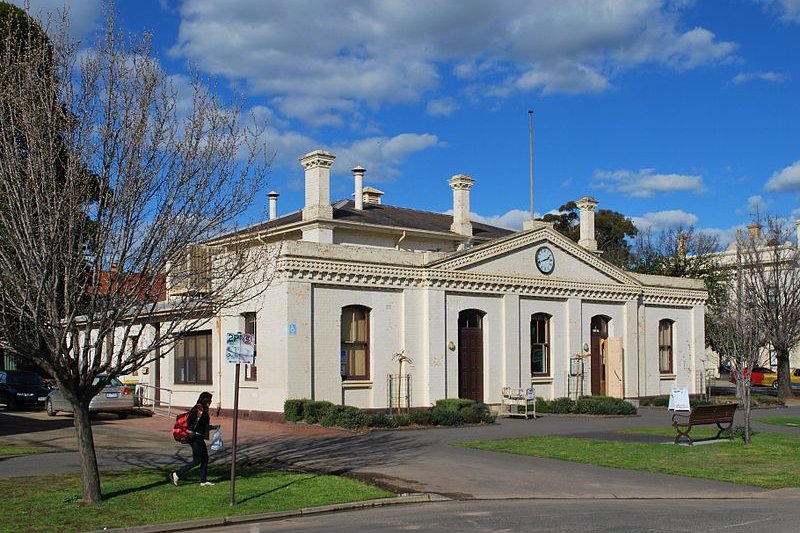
(406, 461)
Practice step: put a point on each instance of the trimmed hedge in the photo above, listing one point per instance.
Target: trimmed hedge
(293, 410)
(447, 412)
(586, 405)
(453, 404)
(314, 411)
(603, 405)
(344, 416)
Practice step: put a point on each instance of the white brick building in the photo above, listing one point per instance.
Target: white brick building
(475, 307)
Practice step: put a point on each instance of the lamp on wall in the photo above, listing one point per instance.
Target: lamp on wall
(451, 346)
(586, 347)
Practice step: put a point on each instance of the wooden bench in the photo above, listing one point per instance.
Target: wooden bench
(721, 415)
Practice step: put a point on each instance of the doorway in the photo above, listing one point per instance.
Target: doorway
(599, 354)
(470, 355)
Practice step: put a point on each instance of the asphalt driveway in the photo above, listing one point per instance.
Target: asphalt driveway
(404, 460)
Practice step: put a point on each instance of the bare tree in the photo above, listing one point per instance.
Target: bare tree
(732, 329)
(109, 199)
(770, 278)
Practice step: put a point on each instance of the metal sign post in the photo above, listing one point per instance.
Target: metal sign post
(238, 350)
(235, 428)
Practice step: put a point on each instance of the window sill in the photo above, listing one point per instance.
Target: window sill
(542, 379)
(357, 384)
(667, 377)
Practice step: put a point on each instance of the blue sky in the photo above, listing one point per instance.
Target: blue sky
(668, 112)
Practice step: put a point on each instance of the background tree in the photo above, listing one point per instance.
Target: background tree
(769, 269)
(105, 195)
(612, 231)
(681, 251)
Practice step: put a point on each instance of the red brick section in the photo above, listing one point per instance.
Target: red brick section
(248, 429)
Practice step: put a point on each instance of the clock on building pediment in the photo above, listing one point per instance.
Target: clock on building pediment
(545, 260)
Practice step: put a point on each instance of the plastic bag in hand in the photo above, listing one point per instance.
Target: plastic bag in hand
(216, 441)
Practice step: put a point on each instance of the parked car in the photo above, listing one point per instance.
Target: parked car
(794, 375)
(114, 397)
(761, 377)
(22, 389)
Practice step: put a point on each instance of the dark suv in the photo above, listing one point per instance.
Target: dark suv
(22, 389)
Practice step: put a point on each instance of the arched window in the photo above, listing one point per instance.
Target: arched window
(665, 346)
(355, 342)
(540, 345)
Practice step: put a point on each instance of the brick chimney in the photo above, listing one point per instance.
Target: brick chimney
(754, 230)
(317, 165)
(461, 184)
(587, 206)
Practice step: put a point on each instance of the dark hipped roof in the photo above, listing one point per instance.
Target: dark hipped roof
(388, 215)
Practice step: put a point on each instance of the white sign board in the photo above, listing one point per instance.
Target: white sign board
(239, 348)
(679, 399)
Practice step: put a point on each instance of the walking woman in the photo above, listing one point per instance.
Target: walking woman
(200, 422)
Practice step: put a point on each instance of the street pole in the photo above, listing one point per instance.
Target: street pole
(235, 430)
(530, 133)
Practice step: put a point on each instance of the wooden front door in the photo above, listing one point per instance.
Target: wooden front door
(599, 329)
(470, 360)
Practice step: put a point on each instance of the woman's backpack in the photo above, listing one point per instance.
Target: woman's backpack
(181, 431)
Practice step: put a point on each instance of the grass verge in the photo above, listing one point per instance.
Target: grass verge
(770, 462)
(9, 450)
(138, 497)
(780, 420)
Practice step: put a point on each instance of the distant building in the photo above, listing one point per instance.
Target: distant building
(475, 307)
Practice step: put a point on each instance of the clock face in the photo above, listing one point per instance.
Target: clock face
(545, 260)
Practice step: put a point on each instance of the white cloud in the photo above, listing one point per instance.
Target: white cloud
(757, 204)
(442, 107)
(511, 220)
(381, 156)
(770, 76)
(661, 220)
(787, 179)
(645, 183)
(82, 15)
(788, 10)
(349, 54)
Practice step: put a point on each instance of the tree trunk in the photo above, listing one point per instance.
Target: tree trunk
(89, 470)
(746, 403)
(784, 375)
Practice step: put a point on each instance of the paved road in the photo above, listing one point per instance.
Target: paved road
(493, 492)
(552, 516)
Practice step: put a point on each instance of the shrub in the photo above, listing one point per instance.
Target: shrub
(477, 413)
(314, 411)
(445, 417)
(603, 405)
(557, 406)
(293, 410)
(344, 416)
(453, 404)
(421, 417)
(381, 420)
(655, 401)
(402, 420)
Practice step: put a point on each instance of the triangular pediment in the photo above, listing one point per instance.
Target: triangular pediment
(516, 256)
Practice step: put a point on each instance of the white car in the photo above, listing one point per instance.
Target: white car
(113, 398)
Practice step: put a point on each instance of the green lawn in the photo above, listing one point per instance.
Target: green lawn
(137, 497)
(772, 461)
(9, 450)
(780, 420)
